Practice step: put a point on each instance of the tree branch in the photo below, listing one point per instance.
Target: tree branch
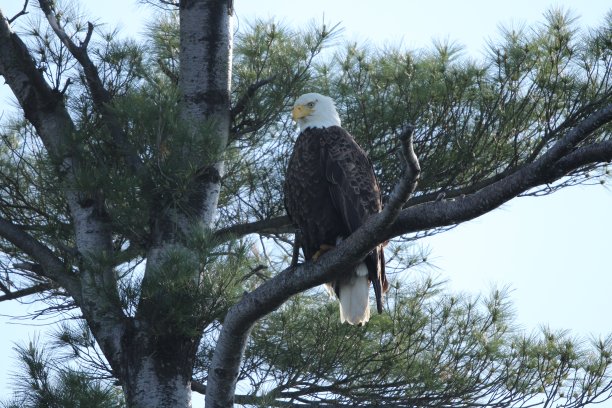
(448, 194)
(21, 13)
(583, 156)
(200, 388)
(559, 160)
(240, 319)
(51, 267)
(95, 291)
(11, 295)
(99, 94)
(41, 105)
(412, 169)
(251, 90)
(270, 295)
(29, 266)
(276, 225)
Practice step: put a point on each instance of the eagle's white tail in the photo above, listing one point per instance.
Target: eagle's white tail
(354, 297)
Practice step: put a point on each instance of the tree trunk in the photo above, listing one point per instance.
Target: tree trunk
(157, 369)
(158, 357)
(205, 83)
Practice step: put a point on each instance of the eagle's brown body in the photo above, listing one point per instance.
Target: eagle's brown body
(330, 190)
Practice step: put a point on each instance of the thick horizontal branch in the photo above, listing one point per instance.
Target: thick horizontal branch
(596, 153)
(458, 192)
(584, 156)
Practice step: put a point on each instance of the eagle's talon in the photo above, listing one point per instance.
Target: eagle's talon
(322, 249)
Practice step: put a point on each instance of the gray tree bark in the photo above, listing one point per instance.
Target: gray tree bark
(162, 367)
(205, 83)
(154, 369)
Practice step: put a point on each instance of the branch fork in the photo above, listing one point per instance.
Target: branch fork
(21, 13)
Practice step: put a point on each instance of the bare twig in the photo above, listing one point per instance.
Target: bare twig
(85, 42)
(12, 295)
(412, 169)
(295, 255)
(4, 288)
(257, 272)
(21, 13)
(65, 87)
(251, 90)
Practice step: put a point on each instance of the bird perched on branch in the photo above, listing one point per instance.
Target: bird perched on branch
(330, 190)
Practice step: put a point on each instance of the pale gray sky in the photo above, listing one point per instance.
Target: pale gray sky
(553, 252)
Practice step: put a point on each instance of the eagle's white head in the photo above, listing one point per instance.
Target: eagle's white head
(315, 110)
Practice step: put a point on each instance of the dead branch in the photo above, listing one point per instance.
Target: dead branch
(16, 294)
(251, 90)
(21, 13)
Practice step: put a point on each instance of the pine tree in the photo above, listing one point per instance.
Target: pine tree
(47, 385)
(141, 192)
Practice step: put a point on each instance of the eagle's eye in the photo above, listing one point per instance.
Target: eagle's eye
(310, 104)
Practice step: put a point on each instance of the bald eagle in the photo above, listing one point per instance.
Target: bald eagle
(330, 190)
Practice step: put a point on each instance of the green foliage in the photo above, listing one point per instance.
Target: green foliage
(473, 119)
(476, 121)
(273, 64)
(182, 302)
(28, 191)
(164, 45)
(430, 349)
(42, 384)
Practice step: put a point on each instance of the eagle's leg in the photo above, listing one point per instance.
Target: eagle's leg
(323, 248)
(297, 243)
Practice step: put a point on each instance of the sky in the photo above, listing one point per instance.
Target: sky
(552, 253)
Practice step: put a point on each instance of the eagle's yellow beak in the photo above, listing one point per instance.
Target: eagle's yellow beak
(300, 111)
